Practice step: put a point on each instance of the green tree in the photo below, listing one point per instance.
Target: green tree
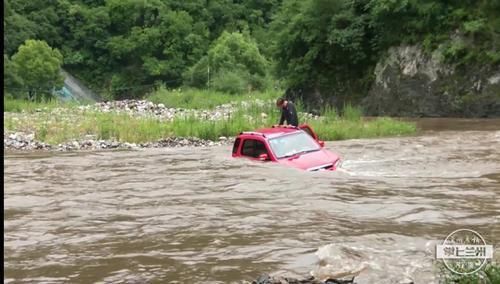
(11, 80)
(27, 19)
(39, 67)
(233, 58)
(323, 45)
(17, 29)
(151, 43)
(124, 46)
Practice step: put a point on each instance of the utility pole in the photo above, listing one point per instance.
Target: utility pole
(208, 82)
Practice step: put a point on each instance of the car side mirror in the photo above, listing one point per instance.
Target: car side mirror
(263, 157)
(321, 143)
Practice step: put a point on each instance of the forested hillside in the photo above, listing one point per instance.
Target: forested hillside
(123, 48)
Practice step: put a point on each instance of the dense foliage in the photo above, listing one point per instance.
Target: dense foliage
(334, 44)
(123, 48)
(235, 64)
(36, 68)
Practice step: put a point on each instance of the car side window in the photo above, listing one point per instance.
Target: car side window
(253, 148)
(236, 145)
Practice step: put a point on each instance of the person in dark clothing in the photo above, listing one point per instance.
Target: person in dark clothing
(288, 112)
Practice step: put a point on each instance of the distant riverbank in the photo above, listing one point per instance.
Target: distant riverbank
(142, 123)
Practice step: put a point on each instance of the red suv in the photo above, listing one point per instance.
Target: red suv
(297, 147)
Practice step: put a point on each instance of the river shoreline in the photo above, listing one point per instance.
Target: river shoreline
(24, 142)
(131, 124)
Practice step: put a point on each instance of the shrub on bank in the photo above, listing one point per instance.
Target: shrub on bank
(232, 82)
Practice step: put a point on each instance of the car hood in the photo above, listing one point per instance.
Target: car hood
(312, 160)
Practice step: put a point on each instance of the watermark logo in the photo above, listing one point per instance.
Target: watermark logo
(464, 251)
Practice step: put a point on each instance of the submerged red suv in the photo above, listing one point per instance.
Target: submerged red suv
(297, 147)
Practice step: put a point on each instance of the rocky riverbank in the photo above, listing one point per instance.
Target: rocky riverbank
(18, 141)
(25, 130)
(146, 108)
(120, 124)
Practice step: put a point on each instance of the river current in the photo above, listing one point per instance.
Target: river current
(197, 215)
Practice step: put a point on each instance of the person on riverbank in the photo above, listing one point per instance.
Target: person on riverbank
(288, 112)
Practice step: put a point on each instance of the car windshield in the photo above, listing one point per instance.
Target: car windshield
(289, 145)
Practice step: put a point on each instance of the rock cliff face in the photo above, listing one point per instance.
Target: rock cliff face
(411, 83)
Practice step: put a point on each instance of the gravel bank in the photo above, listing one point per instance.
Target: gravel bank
(19, 141)
(24, 140)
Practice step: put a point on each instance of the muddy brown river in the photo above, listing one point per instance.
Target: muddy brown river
(196, 215)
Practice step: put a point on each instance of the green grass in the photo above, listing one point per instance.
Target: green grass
(351, 113)
(346, 129)
(16, 105)
(70, 124)
(204, 99)
(53, 129)
(351, 125)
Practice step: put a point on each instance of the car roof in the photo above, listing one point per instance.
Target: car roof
(276, 131)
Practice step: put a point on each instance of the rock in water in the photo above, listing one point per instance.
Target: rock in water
(334, 262)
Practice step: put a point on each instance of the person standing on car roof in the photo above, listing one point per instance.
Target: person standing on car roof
(288, 112)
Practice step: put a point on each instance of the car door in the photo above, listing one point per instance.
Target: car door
(236, 147)
(252, 148)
